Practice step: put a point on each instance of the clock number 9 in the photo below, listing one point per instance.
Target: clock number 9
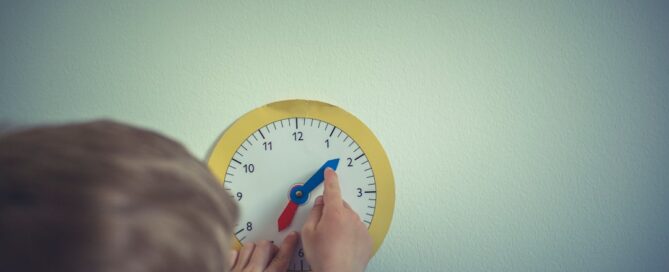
(297, 136)
(249, 168)
(239, 196)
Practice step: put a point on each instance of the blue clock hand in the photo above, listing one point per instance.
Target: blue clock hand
(299, 194)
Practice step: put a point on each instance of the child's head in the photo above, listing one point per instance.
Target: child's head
(108, 197)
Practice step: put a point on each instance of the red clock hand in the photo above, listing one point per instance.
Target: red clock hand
(287, 215)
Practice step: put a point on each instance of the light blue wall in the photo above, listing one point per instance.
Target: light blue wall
(524, 135)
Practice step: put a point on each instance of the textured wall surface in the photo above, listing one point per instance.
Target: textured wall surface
(524, 135)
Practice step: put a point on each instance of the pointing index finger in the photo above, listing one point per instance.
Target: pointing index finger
(332, 193)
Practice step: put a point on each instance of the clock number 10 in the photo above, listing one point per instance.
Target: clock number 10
(249, 168)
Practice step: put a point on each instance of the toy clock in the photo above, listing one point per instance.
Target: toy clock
(271, 160)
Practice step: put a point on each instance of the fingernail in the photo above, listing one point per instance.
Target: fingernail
(319, 200)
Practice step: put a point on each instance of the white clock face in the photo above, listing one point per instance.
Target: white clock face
(288, 152)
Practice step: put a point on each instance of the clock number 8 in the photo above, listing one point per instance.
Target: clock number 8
(249, 226)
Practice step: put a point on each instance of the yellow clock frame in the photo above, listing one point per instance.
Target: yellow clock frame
(236, 134)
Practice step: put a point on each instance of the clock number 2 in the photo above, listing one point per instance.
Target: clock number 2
(297, 136)
(350, 162)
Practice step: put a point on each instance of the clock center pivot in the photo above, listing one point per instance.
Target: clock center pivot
(298, 194)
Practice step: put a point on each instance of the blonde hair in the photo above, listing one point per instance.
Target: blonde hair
(103, 196)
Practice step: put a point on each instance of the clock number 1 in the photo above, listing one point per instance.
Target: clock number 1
(327, 143)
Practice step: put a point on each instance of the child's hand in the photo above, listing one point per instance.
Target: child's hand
(264, 256)
(333, 236)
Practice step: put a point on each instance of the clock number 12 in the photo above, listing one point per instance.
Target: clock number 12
(297, 136)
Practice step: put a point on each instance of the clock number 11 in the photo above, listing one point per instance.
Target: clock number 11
(267, 145)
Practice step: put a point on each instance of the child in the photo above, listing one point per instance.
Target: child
(104, 196)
